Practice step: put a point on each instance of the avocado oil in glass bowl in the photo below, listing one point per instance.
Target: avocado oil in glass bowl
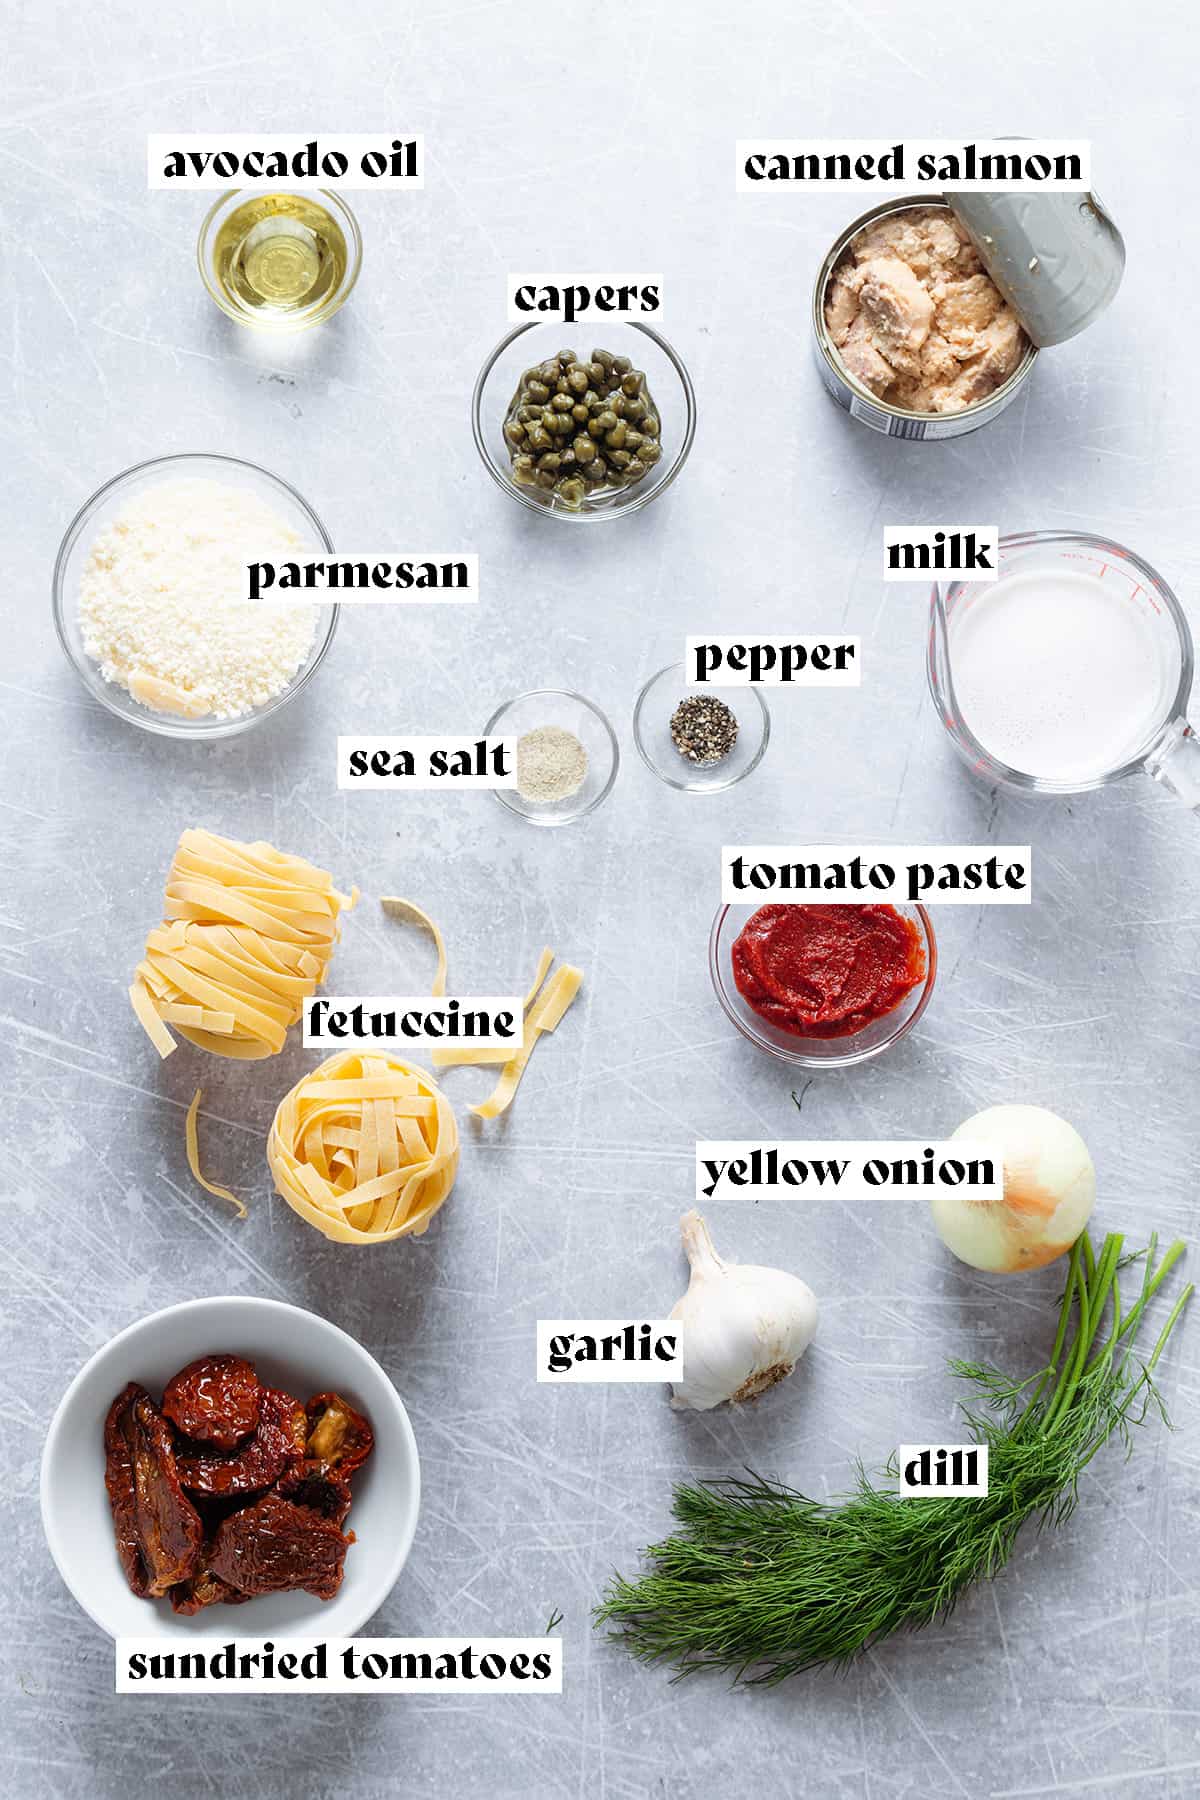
(279, 261)
(520, 353)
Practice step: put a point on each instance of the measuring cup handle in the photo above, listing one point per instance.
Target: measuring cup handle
(1175, 761)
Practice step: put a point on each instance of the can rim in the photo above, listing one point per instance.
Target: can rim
(901, 203)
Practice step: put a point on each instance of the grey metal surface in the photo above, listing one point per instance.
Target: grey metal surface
(1075, 1673)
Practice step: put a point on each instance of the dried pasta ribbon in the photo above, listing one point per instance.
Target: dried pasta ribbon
(365, 1148)
(476, 1053)
(544, 1008)
(248, 935)
(546, 1015)
(404, 909)
(191, 1137)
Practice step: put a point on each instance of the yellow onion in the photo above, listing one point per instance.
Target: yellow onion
(1049, 1192)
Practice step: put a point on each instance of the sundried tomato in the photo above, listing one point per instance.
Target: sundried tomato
(205, 1589)
(214, 1400)
(338, 1437)
(328, 1495)
(158, 1531)
(275, 1545)
(277, 1445)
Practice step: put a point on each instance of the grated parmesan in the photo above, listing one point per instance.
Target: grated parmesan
(163, 606)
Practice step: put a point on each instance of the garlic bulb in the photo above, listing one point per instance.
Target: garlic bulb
(744, 1328)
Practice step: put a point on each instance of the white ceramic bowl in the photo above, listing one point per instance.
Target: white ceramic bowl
(290, 1348)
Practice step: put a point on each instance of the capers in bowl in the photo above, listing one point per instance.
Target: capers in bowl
(579, 428)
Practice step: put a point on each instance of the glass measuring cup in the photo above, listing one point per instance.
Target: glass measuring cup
(1166, 745)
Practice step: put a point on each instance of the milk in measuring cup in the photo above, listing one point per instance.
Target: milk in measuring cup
(1057, 674)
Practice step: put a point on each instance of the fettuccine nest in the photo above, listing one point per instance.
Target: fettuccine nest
(365, 1148)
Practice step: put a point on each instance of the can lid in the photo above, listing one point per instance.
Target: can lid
(1058, 259)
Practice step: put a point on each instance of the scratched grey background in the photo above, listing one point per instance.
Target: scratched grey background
(561, 138)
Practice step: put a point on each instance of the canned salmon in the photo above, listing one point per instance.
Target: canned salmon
(857, 399)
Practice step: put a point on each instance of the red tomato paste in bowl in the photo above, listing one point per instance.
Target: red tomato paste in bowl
(826, 971)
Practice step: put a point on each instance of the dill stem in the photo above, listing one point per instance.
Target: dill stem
(1060, 1338)
(1168, 1328)
(1068, 1381)
(1106, 1284)
(1152, 1284)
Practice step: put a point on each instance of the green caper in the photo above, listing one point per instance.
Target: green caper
(578, 426)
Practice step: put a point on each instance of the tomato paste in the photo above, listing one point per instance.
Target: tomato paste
(826, 971)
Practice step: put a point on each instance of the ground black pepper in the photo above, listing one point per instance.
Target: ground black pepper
(703, 729)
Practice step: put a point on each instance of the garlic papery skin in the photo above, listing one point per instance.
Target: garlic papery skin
(744, 1328)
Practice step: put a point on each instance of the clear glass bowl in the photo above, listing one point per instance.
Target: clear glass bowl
(101, 509)
(666, 377)
(815, 1053)
(300, 320)
(652, 733)
(559, 706)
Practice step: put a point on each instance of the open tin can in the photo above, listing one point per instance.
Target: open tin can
(1057, 259)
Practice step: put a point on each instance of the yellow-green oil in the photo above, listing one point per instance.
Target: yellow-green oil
(280, 259)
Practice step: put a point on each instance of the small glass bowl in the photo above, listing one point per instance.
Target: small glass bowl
(559, 706)
(281, 321)
(815, 1053)
(666, 378)
(652, 734)
(104, 504)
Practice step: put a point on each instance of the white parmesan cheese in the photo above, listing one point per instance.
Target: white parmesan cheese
(163, 605)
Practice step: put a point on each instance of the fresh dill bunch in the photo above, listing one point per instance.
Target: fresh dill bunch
(762, 1582)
